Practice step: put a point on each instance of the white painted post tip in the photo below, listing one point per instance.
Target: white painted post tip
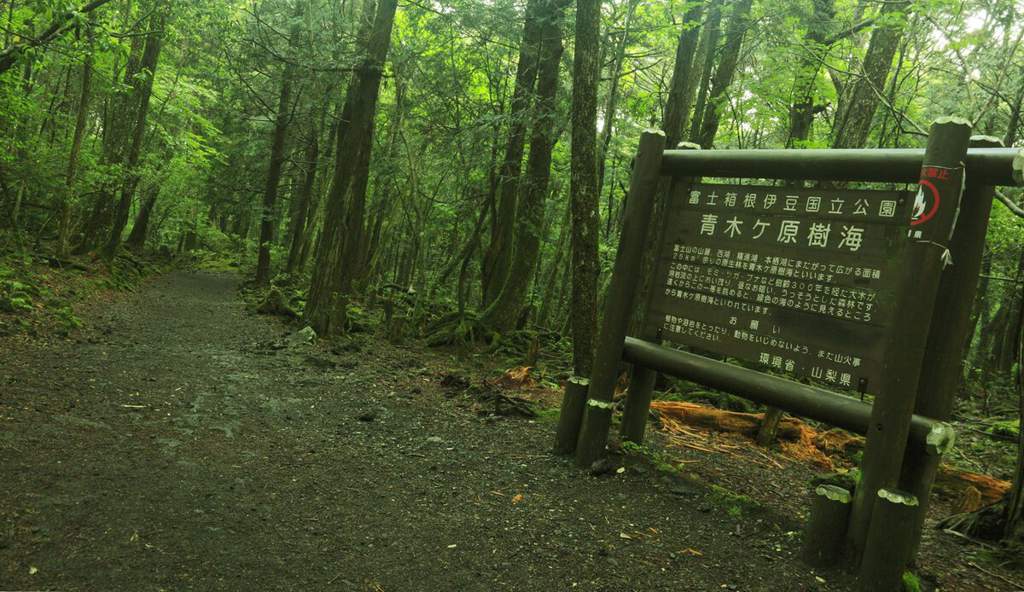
(983, 139)
(834, 493)
(940, 439)
(898, 497)
(952, 119)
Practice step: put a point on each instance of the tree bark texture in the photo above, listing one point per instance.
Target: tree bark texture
(325, 306)
(583, 185)
(710, 33)
(84, 96)
(498, 255)
(739, 21)
(300, 222)
(680, 94)
(860, 99)
(503, 313)
(268, 220)
(130, 180)
(801, 111)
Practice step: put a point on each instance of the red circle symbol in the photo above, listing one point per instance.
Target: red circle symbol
(934, 209)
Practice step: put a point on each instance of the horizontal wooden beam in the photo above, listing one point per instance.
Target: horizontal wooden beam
(797, 398)
(992, 166)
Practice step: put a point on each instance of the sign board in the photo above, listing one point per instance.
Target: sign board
(797, 280)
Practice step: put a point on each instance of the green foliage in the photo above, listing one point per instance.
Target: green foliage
(735, 504)
(911, 583)
(16, 296)
(1008, 427)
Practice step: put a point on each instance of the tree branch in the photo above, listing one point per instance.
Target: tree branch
(9, 56)
(1009, 203)
(848, 32)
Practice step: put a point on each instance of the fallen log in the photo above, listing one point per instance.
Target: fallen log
(748, 424)
(969, 491)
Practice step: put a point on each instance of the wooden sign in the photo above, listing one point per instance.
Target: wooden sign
(800, 281)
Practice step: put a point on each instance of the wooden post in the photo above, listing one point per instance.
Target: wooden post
(641, 385)
(935, 213)
(889, 541)
(571, 415)
(769, 426)
(638, 404)
(619, 299)
(825, 533)
(943, 368)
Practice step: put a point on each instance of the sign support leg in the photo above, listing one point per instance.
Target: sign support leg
(926, 256)
(943, 368)
(619, 300)
(638, 404)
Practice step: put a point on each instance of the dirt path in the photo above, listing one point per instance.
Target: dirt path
(186, 446)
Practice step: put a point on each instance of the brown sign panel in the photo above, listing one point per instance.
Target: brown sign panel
(798, 280)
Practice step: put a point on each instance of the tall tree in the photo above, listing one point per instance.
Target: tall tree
(681, 88)
(710, 33)
(861, 96)
(612, 99)
(150, 58)
(84, 96)
(801, 111)
(584, 189)
(503, 314)
(282, 119)
(726, 70)
(498, 256)
(299, 222)
(325, 308)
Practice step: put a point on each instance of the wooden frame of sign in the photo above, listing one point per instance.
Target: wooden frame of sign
(854, 289)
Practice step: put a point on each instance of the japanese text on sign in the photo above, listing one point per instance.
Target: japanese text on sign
(797, 280)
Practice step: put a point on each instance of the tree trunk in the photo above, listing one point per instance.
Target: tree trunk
(277, 153)
(325, 306)
(504, 312)
(551, 294)
(680, 94)
(299, 221)
(709, 51)
(584, 188)
(64, 233)
(979, 314)
(996, 347)
(801, 111)
(140, 230)
(120, 111)
(1013, 124)
(150, 58)
(738, 24)
(860, 97)
(615, 73)
(498, 256)
(1014, 527)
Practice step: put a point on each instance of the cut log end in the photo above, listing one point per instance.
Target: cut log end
(940, 439)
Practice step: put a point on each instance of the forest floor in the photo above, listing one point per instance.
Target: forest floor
(181, 442)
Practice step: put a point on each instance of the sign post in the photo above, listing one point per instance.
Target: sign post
(850, 288)
(932, 221)
(619, 301)
(943, 368)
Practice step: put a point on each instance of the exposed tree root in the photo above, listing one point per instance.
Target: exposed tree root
(275, 304)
